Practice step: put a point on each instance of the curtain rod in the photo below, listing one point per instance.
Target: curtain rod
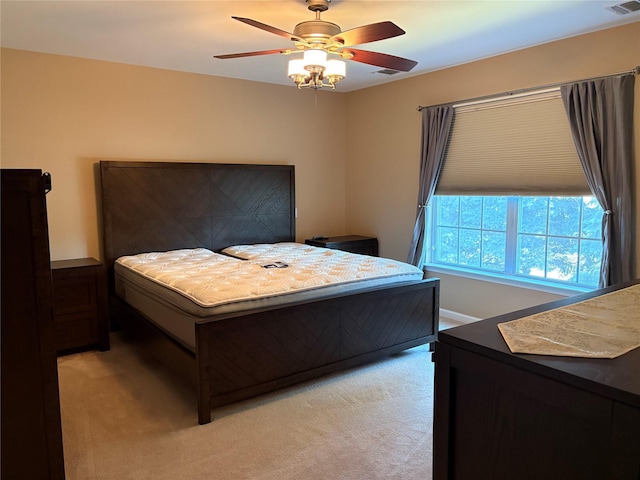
(634, 71)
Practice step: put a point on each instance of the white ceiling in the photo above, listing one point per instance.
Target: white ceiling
(184, 35)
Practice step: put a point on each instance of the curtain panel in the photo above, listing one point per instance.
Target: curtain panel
(436, 128)
(600, 113)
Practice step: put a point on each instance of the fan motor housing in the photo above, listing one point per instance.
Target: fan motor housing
(316, 31)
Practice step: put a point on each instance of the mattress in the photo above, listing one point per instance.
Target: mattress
(177, 288)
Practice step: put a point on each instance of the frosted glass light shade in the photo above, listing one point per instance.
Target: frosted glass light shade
(336, 68)
(315, 58)
(296, 67)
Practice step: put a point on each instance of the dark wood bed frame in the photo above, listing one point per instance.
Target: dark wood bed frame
(157, 206)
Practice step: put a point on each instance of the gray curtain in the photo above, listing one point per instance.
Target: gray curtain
(436, 127)
(601, 116)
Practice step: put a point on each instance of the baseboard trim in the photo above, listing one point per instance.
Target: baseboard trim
(457, 317)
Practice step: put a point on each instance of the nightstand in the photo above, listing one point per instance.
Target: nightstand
(80, 310)
(348, 243)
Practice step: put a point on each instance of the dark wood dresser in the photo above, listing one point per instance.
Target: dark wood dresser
(500, 415)
(348, 243)
(80, 305)
(31, 426)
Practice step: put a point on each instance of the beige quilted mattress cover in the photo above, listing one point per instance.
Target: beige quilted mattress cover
(265, 271)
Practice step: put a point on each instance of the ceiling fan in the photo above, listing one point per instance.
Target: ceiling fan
(319, 38)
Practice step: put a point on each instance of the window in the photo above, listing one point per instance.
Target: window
(512, 198)
(550, 238)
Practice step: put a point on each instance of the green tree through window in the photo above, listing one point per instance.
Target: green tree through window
(553, 238)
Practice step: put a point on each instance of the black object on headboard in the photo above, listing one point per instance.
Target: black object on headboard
(158, 206)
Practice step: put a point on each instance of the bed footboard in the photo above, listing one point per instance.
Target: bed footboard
(246, 355)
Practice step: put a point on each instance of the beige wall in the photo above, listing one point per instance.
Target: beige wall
(384, 143)
(63, 114)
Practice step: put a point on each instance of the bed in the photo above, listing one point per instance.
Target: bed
(159, 208)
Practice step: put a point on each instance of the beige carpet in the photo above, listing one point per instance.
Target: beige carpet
(125, 417)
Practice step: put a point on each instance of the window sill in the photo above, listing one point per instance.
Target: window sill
(530, 284)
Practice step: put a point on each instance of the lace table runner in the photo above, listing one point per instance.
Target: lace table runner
(602, 327)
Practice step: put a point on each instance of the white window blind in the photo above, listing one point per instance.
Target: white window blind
(514, 145)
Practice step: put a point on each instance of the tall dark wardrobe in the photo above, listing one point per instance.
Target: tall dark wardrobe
(31, 427)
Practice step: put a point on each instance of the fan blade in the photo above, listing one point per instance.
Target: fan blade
(369, 33)
(268, 28)
(250, 54)
(381, 60)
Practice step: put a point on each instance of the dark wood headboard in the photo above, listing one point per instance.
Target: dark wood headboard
(158, 206)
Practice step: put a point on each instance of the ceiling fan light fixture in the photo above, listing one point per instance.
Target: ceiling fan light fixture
(296, 67)
(336, 70)
(313, 68)
(315, 61)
